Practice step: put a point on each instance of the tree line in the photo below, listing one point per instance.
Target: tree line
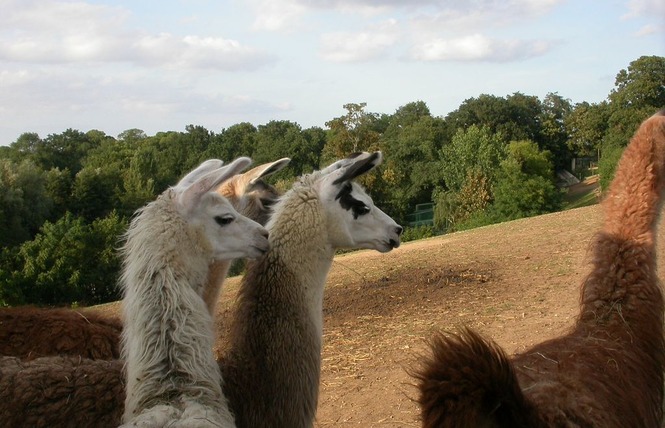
(66, 199)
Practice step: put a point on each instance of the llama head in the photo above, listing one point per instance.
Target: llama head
(230, 234)
(249, 194)
(353, 219)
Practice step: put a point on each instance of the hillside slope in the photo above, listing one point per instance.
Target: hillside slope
(517, 282)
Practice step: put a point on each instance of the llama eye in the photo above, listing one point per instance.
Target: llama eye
(224, 220)
(360, 209)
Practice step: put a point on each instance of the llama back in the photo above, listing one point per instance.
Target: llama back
(61, 392)
(608, 371)
(470, 382)
(29, 332)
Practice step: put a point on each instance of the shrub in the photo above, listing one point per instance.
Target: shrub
(418, 232)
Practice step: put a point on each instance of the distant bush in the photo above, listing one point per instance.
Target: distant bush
(418, 232)
(607, 165)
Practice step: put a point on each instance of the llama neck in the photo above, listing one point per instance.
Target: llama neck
(216, 276)
(166, 267)
(275, 342)
(160, 243)
(299, 245)
(622, 288)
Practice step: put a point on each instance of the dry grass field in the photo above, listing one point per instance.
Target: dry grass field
(517, 282)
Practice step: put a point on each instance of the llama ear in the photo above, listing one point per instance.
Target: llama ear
(358, 166)
(266, 169)
(189, 196)
(198, 172)
(241, 182)
(342, 162)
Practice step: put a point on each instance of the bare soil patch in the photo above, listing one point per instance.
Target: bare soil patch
(517, 282)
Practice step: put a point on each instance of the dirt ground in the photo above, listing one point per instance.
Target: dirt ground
(517, 282)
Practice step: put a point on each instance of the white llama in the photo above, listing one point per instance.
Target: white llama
(172, 376)
(68, 391)
(271, 370)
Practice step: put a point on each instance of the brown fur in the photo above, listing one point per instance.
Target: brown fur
(608, 370)
(253, 198)
(271, 368)
(28, 332)
(61, 392)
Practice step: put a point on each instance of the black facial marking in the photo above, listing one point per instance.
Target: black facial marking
(358, 168)
(348, 202)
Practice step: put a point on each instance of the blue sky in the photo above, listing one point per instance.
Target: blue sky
(161, 65)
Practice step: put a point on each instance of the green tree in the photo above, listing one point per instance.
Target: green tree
(24, 147)
(608, 162)
(411, 145)
(232, 142)
(553, 132)
(138, 190)
(515, 117)
(59, 189)
(132, 136)
(24, 202)
(278, 139)
(475, 148)
(586, 125)
(94, 192)
(638, 93)
(525, 184)
(64, 151)
(68, 261)
(356, 131)
(469, 165)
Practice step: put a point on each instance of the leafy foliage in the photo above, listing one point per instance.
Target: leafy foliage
(473, 151)
(68, 261)
(65, 199)
(418, 232)
(354, 132)
(24, 204)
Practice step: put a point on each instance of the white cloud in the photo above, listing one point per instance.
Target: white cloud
(373, 43)
(60, 98)
(648, 30)
(280, 15)
(647, 8)
(478, 48)
(477, 15)
(70, 32)
(277, 15)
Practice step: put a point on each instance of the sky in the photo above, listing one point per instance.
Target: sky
(160, 65)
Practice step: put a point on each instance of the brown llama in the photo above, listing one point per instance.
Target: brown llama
(271, 367)
(608, 370)
(30, 332)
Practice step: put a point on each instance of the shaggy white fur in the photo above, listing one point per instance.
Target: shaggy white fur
(273, 365)
(62, 391)
(172, 376)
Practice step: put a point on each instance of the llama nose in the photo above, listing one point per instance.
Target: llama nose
(399, 230)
